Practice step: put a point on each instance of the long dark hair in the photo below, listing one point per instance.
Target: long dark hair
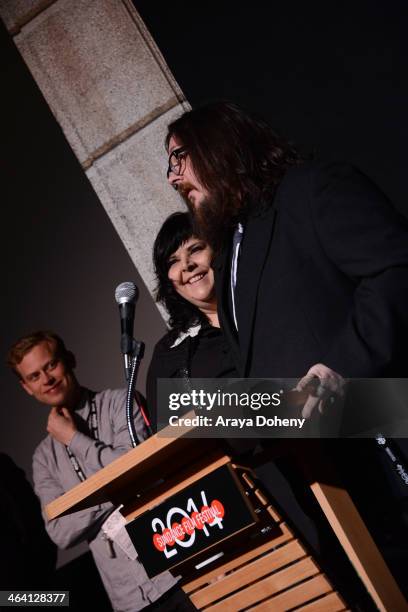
(236, 156)
(176, 230)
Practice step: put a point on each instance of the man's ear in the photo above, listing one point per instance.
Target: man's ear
(26, 387)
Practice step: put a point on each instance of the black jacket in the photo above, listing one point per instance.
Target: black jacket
(205, 355)
(322, 278)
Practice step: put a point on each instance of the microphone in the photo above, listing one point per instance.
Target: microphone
(126, 295)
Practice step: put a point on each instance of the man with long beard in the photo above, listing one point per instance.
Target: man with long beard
(311, 268)
(312, 265)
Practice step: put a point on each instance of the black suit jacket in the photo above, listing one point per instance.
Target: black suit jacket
(322, 278)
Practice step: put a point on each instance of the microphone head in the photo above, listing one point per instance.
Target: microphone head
(126, 293)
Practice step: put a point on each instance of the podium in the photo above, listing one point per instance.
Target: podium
(191, 508)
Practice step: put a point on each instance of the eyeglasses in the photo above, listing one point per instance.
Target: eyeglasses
(175, 161)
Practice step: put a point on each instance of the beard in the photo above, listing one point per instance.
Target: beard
(213, 219)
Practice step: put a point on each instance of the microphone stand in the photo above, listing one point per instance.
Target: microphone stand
(132, 363)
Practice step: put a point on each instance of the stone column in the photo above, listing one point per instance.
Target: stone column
(113, 95)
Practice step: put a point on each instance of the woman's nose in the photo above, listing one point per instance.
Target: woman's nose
(188, 264)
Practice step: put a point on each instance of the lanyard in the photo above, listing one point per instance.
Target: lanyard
(93, 426)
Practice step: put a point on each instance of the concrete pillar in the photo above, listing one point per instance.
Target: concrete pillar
(113, 95)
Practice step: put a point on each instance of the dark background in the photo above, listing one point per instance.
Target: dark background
(330, 76)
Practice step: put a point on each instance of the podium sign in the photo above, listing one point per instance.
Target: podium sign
(201, 515)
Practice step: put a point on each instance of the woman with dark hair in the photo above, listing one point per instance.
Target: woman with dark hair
(194, 345)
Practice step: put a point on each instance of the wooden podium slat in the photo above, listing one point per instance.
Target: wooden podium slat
(285, 536)
(293, 597)
(249, 573)
(329, 603)
(266, 587)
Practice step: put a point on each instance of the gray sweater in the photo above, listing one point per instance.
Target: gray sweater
(126, 581)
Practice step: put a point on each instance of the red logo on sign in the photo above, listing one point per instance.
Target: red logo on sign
(197, 520)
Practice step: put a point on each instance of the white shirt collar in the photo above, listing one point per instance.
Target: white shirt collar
(192, 331)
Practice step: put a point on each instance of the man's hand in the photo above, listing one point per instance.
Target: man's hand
(61, 425)
(330, 385)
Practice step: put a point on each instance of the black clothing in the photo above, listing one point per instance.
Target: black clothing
(175, 600)
(205, 355)
(28, 557)
(211, 357)
(322, 278)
